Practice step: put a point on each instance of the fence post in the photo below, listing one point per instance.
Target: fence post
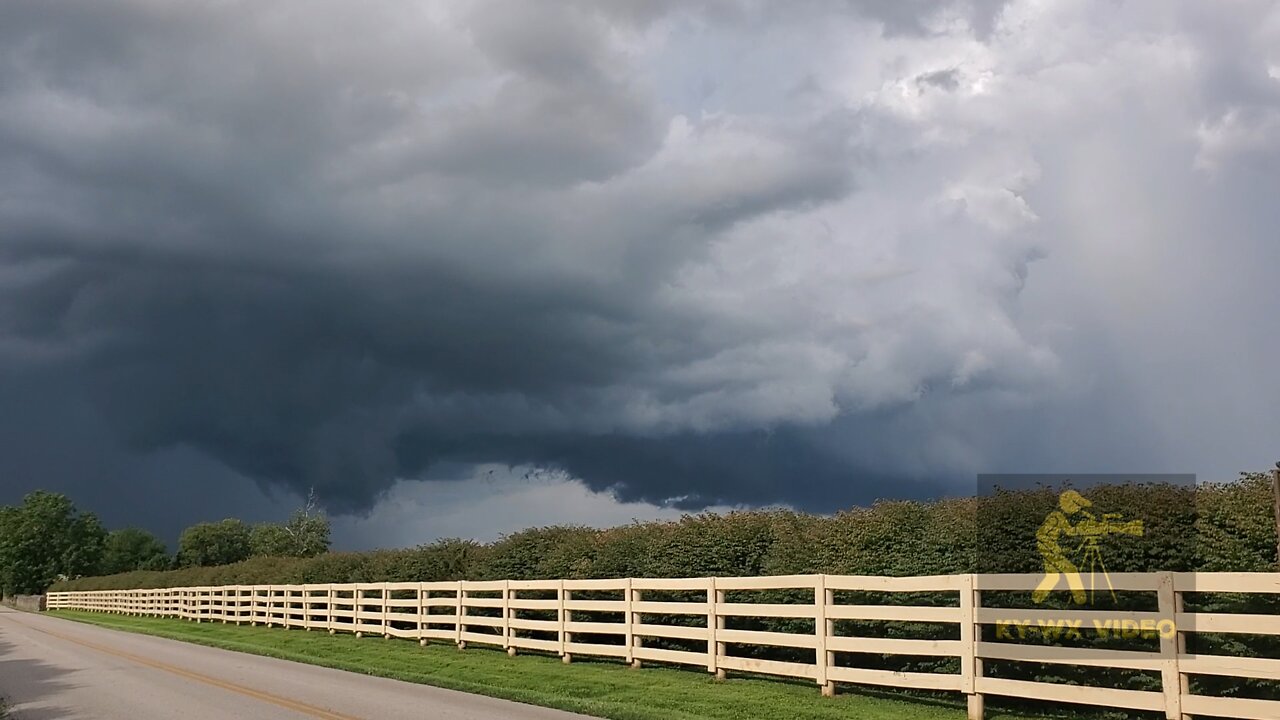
(970, 633)
(560, 615)
(1173, 682)
(462, 614)
(328, 608)
(422, 613)
(386, 619)
(566, 617)
(715, 622)
(631, 617)
(823, 628)
(506, 618)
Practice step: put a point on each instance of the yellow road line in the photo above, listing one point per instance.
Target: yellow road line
(299, 707)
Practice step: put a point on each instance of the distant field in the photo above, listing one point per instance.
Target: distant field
(602, 689)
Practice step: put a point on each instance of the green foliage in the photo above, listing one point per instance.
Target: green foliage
(306, 534)
(44, 540)
(133, 549)
(1211, 527)
(220, 543)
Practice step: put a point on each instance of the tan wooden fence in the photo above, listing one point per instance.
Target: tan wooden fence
(628, 618)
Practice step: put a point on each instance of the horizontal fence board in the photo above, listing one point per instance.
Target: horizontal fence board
(596, 605)
(525, 604)
(670, 583)
(672, 631)
(533, 584)
(601, 628)
(1229, 623)
(441, 586)
(768, 667)
(1260, 668)
(923, 583)
(669, 608)
(1120, 581)
(1227, 582)
(895, 646)
(680, 657)
(544, 625)
(1231, 707)
(596, 649)
(595, 585)
(900, 613)
(775, 582)
(762, 610)
(760, 637)
(1087, 657)
(535, 644)
(1107, 697)
(484, 585)
(890, 678)
(993, 616)
(483, 638)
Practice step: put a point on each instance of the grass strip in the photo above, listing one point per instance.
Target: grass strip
(598, 688)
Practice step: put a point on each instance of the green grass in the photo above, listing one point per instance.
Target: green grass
(603, 689)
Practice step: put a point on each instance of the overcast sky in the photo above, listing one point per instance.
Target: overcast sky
(466, 267)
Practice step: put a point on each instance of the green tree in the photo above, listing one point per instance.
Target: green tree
(219, 543)
(47, 539)
(306, 534)
(133, 549)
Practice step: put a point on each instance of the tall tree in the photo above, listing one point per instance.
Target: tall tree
(133, 549)
(47, 539)
(217, 543)
(306, 534)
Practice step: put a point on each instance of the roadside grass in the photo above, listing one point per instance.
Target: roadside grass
(599, 688)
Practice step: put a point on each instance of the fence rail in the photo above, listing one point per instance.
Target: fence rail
(698, 622)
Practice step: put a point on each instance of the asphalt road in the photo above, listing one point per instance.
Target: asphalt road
(54, 669)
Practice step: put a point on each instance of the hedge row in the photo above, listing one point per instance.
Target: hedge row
(1224, 527)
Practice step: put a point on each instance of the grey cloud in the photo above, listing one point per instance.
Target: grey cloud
(310, 244)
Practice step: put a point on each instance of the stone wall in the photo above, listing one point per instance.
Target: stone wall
(29, 603)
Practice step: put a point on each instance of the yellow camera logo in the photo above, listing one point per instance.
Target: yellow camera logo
(1073, 520)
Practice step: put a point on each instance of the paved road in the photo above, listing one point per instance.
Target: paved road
(54, 669)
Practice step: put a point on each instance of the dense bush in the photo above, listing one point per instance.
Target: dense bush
(1212, 528)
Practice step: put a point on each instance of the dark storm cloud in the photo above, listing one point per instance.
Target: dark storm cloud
(324, 245)
(248, 233)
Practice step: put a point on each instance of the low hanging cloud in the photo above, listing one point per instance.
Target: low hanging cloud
(689, 253)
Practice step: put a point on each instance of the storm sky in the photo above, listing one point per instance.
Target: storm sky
(466, 267)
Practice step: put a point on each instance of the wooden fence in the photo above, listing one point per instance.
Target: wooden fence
(698, 622)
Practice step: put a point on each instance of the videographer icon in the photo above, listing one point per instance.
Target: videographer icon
(1056, 563)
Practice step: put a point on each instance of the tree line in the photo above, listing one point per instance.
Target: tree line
(47, 539)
